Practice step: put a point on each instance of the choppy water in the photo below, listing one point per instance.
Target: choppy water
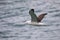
(13, 13)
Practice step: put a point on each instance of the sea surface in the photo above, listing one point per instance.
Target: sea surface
(13, 14)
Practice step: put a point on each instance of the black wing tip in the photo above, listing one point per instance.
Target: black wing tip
(44, 13)
(32, 10)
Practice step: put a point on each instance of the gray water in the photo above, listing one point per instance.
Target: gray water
(13, 14)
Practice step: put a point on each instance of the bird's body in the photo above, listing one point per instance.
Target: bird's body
(34, 18)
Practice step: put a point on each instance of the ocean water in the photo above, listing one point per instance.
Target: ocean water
(13, 14)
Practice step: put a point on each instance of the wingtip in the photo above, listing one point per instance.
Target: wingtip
(32, 10)
(40, 17)
(44, 14)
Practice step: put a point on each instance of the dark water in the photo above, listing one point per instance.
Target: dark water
(13, 13)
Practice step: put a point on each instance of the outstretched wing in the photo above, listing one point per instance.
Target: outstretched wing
(40, 17)
(33, 16)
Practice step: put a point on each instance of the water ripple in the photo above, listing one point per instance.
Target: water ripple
(57, 15)
(54, 11)
(11, 27)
